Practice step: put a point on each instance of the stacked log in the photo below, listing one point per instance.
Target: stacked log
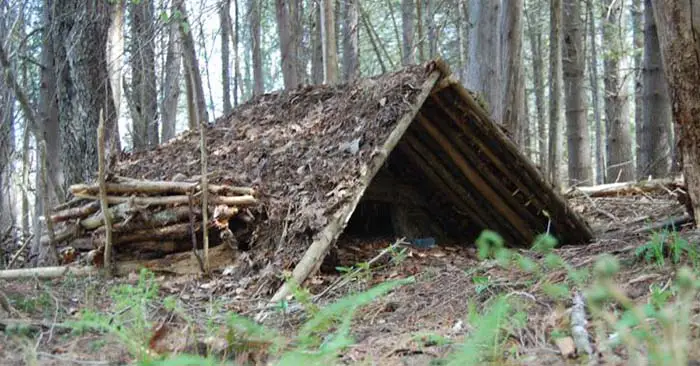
(149, 218)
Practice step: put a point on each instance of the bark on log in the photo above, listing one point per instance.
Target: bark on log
(625, 188)
(238, 201)
(159, 187)
(76, 212)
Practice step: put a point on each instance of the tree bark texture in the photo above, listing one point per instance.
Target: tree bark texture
(287, 39)
(330, 52)
(657, 119)
(679, 38)
(144, 92)
(408, 55)
(512, 102)
(555, 92)
(351, 41)
(83, 88)
(641, 149)
(484, 66)
(534, 32)
(316, 47)
(255, 40)
(620, 166)
(595, 98)
(171, 85)
(225, 21)
(189, 57)
(574, 66)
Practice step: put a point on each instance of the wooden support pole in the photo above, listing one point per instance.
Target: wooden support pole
(101, 172)
(205, 194)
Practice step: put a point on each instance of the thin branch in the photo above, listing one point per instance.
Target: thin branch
(103, 193)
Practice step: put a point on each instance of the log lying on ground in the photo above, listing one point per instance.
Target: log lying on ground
(626, 188)
(179, 263)
(159, 187)
(240, 201)
(76, 212)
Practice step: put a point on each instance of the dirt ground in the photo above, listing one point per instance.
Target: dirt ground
(415, 324)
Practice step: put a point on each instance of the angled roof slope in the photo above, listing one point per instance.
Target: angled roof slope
(312, 152)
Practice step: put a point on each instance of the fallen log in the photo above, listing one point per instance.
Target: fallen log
(158, 187)
(627, 188)
(76, 212)
(47, 272)
(246, 200)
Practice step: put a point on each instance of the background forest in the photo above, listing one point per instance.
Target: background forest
(578, 84)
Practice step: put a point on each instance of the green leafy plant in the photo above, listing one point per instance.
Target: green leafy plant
(667, 244)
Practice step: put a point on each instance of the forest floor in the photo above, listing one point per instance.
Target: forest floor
(418, 323)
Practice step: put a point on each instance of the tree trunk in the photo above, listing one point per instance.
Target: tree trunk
(144, 93)
(574, 66)
(407, 19)
(641, 148)
(351, 62)
(512, 69)
(255, 40)
(330, 53)
(288, 49)
(225, 20)
(534, 32)
(171, 86)
(419, 31)
(236, 57)
(680, 47)
(657, 119)
(595, 98)
(620, 166)
(317, 46)
(189, 57)
(555, 86)
(484, 66)
(83, 86)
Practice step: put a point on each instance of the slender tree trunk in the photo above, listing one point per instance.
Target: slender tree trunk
(574, 66)
(555, 92)
(534, 32)
(189, 57)
(255, 34)
(512, 69)
(330, 53)
(351, 62)
(680, 47)
(641, 149)
(595, 98)
(317, 46)
(171, 86)
(620, 166)
(657, 117)
(484, 66)
(419, 30)
(432, 29)
(225, 21)
(236, 56)
(288, 49)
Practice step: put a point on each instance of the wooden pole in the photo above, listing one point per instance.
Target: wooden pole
(205, 195)
(103, 193)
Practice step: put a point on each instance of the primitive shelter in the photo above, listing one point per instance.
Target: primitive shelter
(410, 150)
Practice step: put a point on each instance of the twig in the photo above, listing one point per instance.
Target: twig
(578, 325)
(72, 361)
(672, 223)
(205, 194)
(21, 249)
(103, 193)
(344, 280)
(193, 234)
